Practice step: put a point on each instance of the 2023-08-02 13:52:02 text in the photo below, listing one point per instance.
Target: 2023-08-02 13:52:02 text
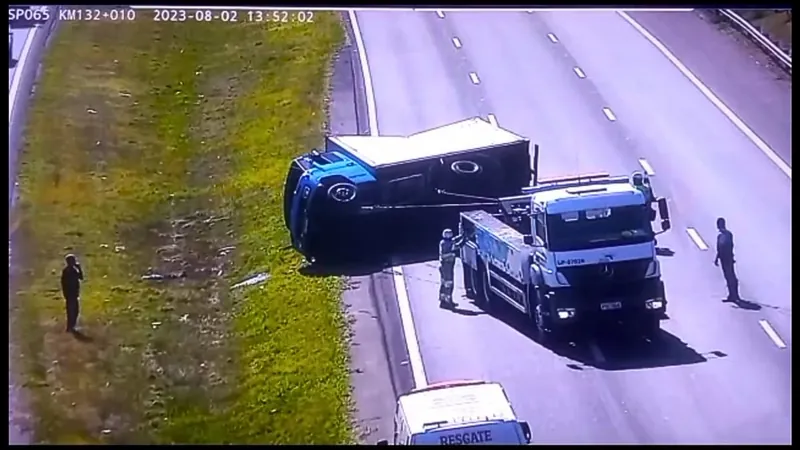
(71, 14)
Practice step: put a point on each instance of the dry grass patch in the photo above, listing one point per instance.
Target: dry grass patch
(156, 152)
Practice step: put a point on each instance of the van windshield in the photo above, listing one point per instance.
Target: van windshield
(493, 433)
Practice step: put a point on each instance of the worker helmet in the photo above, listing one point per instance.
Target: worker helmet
(447, 233)
(637, 179)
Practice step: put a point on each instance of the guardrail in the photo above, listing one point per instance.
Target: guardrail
(780, 56)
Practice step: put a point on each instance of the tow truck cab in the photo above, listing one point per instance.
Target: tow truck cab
(357, 185)
(569, 250)
(458, 413)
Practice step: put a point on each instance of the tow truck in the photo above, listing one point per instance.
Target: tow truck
(358, 187)
(470, 412)
(569, 251)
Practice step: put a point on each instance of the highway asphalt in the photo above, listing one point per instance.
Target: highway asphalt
(597, 95)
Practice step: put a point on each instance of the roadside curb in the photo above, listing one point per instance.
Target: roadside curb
(779, 55)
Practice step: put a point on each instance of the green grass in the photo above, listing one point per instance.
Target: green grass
(158, 147)
(777, 24)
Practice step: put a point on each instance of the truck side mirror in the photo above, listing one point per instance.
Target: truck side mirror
(382, 442)
(526, 431)
(665, 225)
(663, 210)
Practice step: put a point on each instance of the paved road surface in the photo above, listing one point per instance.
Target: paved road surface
(716, 376)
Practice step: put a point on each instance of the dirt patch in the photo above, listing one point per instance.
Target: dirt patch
(156, 153)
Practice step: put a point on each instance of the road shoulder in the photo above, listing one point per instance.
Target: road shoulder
(734, 68)
(378, 354)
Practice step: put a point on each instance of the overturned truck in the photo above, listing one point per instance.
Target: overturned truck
(362, 192)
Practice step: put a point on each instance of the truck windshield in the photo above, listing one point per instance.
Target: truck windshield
(597, 228)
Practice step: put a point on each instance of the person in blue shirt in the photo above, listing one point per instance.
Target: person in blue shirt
(725, 260)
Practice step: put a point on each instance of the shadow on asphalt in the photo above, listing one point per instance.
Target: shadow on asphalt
(368, 261)
(745, 304)
(610, 348)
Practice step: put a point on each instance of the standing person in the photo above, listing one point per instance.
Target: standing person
(71, 277)
(725, 257)
(447, 261)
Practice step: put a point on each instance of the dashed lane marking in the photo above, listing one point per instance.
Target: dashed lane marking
(772, 333)
(609, 114)
(579, 72)
(457, 42)
(552, 38)
(697, 239)
(474, 77)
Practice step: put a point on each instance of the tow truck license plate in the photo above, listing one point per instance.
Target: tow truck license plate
(610, 306)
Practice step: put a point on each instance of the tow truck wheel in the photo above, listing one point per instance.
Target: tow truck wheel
(540, 324)
(651, 327)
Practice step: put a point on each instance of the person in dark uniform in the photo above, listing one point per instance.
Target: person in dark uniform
(71, 277)
(448, 247)
(725, 259)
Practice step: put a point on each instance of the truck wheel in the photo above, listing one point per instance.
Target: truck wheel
(651, 327)
(542, 329)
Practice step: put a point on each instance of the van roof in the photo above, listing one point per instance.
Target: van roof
(455, 405)
(460, 137)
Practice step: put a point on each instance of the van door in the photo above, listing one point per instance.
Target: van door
(298, 221)
(289, 189)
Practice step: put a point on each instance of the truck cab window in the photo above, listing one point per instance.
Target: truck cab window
(538, 224)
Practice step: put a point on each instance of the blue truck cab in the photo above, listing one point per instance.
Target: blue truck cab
(360, 187)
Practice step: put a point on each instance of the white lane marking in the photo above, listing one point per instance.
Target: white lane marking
(492, 119)
(609, 114)
(772, 333)
(552, 38)
(18, 71)
(474, 77)
(403, 302)
(579, 72)
(457, 42)
(440, 14)
(596, 353)
(697, 239)
(768, 152)
(648, 169)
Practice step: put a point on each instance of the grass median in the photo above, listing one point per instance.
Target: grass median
(156, 152)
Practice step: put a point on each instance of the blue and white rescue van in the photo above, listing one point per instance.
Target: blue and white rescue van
(458, 413)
